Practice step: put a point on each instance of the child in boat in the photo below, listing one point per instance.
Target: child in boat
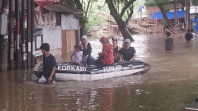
(78, 55)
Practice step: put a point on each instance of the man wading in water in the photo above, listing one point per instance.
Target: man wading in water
(49, 64)
(169, 42)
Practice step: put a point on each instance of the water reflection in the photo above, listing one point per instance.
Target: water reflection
(107, 99)
(189, 45)
(170, 85)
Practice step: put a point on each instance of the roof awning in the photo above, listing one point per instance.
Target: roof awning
(61, 8)
(170, 15)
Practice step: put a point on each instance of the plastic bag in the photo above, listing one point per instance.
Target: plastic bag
(42, 79)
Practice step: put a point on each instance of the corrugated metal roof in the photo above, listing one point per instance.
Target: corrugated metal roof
(60, 8)
(170, 15)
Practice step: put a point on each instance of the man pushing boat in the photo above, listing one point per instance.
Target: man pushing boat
(47, 72)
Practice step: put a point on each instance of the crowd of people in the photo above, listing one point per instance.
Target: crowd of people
(169, 41)
(111, 53)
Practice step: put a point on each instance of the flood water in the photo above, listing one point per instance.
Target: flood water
(170, 85)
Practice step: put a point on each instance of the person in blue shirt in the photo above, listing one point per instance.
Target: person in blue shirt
(49, 64)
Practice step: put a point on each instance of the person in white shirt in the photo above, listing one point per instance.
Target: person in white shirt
(37, 67)
(78, 55)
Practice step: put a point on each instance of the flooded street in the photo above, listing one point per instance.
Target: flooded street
(170, 84)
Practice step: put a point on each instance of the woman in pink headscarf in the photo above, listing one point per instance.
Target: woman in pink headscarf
(86, 47)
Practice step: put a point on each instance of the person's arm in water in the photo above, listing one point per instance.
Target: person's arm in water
(52, 74)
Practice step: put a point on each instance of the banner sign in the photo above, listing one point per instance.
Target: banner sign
(71, 68)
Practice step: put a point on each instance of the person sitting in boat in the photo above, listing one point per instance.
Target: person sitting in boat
(106, 57)
(116, 49)
(127, 53)
(87, 49)
(78, 55)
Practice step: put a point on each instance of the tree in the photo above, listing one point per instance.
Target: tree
(118, 9)
(195, 2)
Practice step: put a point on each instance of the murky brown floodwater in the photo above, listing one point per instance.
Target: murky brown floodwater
(170, 85)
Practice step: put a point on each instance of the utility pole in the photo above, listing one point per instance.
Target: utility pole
(187, 19)
(18, 52)
(4, 37)
(29, 33)
(11, 34)
(32, 33)
(23, 34)
(175, 11)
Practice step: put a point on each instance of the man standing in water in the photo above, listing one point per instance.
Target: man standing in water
(169, 42)
(189, 35)
(49, 63)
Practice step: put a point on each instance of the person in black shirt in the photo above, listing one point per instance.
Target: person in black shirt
(169, 42)
(49, 63)
(87, 49)
(188, 35)
(128, 53)
(116, 49)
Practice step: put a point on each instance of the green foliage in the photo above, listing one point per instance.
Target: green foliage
(123, 4)
(93, 21)
(101, 5)
(195, 2)
(156, 2)
(137, 3)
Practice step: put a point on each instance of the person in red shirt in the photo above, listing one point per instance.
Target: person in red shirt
(106, 56)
